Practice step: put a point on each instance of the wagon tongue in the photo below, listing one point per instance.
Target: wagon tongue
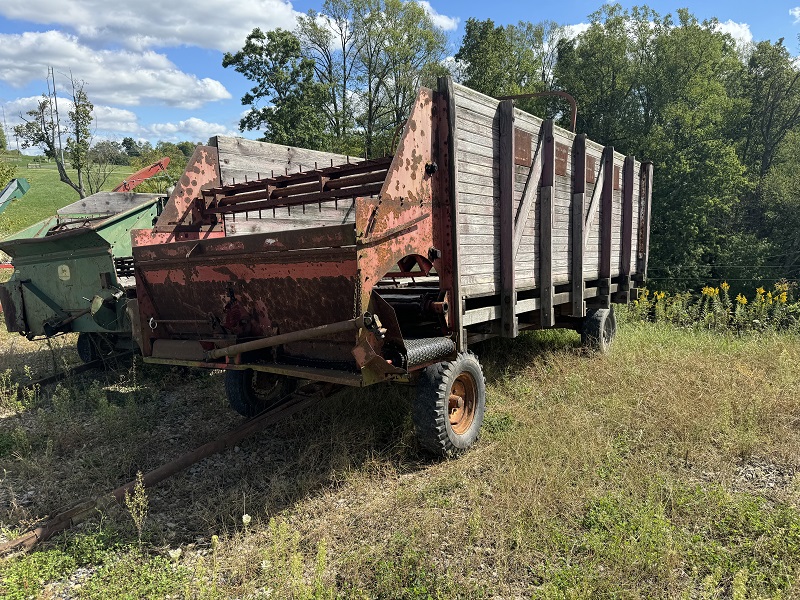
(364, 178)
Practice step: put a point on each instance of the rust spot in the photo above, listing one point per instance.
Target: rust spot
(523, 142)
(591, 168)
(562, 155)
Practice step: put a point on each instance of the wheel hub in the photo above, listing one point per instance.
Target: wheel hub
(462, 402)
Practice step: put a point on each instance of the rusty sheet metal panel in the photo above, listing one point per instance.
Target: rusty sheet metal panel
(399, 222)
(248, 286)
(202, 172)
(523, 141)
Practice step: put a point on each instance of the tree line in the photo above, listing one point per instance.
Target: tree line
(720, 119)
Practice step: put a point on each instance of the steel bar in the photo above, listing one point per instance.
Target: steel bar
(337, 172)
(87, 508)
(294, 336)
(260, 200)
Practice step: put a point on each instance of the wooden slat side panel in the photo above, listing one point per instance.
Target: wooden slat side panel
(562, 252)
(527, 258)
(478, 127)
(635, 233)
(616, 226)
(240, 158)
(591, 262)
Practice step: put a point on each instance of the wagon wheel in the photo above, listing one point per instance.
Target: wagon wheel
(92, 346)
(449, 407)
(250, 392)
(599, 329)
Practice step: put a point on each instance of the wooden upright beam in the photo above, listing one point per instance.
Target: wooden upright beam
(449, 140)
(508, 294)
(645, 200)
(577, 224)
(606, 222)
(546, 226)
(626, 241)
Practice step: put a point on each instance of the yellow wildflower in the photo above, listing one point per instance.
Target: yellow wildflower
(760, 291)
(741, 299)
(781, 287)
(725, 286)
(769, 297)
(783, 297)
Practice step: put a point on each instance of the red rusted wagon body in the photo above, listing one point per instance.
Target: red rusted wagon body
(485, 221)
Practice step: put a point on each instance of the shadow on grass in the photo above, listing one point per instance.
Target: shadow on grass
(87, 440)
(502, 356)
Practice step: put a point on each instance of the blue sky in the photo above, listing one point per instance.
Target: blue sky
(153, 70)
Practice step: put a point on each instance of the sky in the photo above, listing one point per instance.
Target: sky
(154, 70)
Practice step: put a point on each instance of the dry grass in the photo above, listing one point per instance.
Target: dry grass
(664, 469)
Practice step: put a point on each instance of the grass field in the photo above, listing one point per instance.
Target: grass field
(47, 194)
(665, 469)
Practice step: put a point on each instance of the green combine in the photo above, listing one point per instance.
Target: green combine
(73, 272)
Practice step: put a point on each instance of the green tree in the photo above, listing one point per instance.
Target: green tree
(40, 128)
(161, 182)
(7, 172)
(772, 92)
(187, 148)
(486, 53)
(400, 49)
(3, 140)
(511, 60)
(283, 79)
(79, 136)
(330, 39)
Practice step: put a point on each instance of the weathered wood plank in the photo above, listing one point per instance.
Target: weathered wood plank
(597, 191)
(645, 200)
(239, 157)
(508, 296)
(627, 217)
(530, 192)
(606, 232)
(578, 225)
(450, 148)
(546, 227)
(475, 140)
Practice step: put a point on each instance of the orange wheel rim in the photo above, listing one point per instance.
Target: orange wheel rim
(462, 402)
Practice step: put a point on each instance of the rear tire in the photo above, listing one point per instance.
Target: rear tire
(92, 346)
(599, 329)
(448, 411)
(251, 392)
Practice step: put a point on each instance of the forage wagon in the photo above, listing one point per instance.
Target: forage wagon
(486, 221)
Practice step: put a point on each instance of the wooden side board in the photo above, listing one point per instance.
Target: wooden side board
(597, 211)
(241, 159)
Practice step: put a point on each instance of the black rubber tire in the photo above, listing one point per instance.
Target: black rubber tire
(92, 346)
(599, 329)
(86, 348)
(433, 406)
(246, 399)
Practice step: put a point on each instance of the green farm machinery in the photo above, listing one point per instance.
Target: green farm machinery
(73, 272)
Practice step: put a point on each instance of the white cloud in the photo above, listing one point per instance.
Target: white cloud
(218, 24)
(118, 120)
(573, 31)
(190, 129)
(112, 76)
(443, 21)
(738, 31)
(795, 12)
